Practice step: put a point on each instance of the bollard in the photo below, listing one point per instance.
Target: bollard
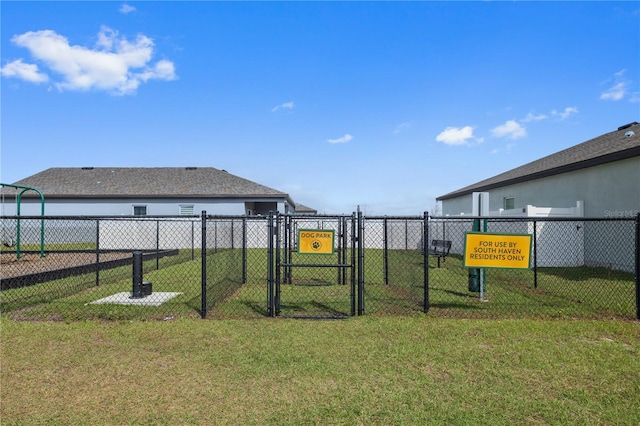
(137, 292)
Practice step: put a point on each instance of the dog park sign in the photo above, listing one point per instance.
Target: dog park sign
(482, 250)
(316, 241)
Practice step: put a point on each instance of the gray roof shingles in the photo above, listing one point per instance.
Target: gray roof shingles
(609, 147)
(139, 182)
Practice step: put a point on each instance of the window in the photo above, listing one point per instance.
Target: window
(509, 203)
(186, 210)
(139, 210)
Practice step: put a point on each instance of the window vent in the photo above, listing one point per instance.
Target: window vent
(187, 210)
(139, 210)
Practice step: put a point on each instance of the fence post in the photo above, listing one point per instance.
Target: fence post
(360, 263)
(406, 234)
(244, 250)
(385, 243)
(278, 262)
(535, 255)
(287, 248)
(97, 252)
(339, 251)
(354, 238)
(157, 244)
(638, 266)
(425, 257)
(203, 278)
(344, 243)
(233, 232)
(270, 311)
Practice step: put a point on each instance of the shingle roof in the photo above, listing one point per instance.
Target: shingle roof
(609, 147)
(301, 208)
(141, 182)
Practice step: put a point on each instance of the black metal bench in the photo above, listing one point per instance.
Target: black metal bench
(440, 249)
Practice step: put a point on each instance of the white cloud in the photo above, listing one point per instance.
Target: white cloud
(402, 126)
(619, 87)
(455, 135)
(115, 65)
(344, 139)
(534, 117)
(511, 129)
(287, 105)
(615, 92)
(563, 115)
(26, 72)
(126, 9)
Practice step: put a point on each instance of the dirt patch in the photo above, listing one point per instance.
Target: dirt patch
(31, 263)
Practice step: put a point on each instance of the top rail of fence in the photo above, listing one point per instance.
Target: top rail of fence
(537, 219)
(98, 217)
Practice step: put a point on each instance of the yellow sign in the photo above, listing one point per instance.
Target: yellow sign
(483, 250)
(315, 241)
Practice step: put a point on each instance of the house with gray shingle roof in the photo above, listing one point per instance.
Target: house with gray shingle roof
(156, 191)
(602, 173)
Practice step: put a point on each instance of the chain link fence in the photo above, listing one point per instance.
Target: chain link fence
(85, 267)
(73, 268)
(579, 268)
(394, 256)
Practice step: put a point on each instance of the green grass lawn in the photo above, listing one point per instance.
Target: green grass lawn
(369, 371)
(560, 292)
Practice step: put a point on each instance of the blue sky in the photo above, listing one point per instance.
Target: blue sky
(385, 105)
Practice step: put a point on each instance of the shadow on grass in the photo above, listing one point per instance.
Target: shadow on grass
(455, 293)
(256, 307)
(454, 305)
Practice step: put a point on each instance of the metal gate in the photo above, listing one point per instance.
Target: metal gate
(318, 280)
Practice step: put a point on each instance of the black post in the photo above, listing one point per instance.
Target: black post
(278, 262)
(97, 252)
(292, 236)
(244, 250)
(638, 266)
(425, 259)
(136, 292)
(353, 264)
(385, 251)
(535, 255)
(193, 240)
(286, 248)
(360, 263)
(270, 310)
(339, 251)
(203, 278)
(406, 234)
(157, 244)
(344, 245)
(233, 231)
(475, 281)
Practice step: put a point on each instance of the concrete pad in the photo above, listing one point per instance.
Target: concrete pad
(124, 298)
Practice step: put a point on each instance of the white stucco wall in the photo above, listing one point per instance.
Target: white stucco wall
(124, 207)
(608, 190)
